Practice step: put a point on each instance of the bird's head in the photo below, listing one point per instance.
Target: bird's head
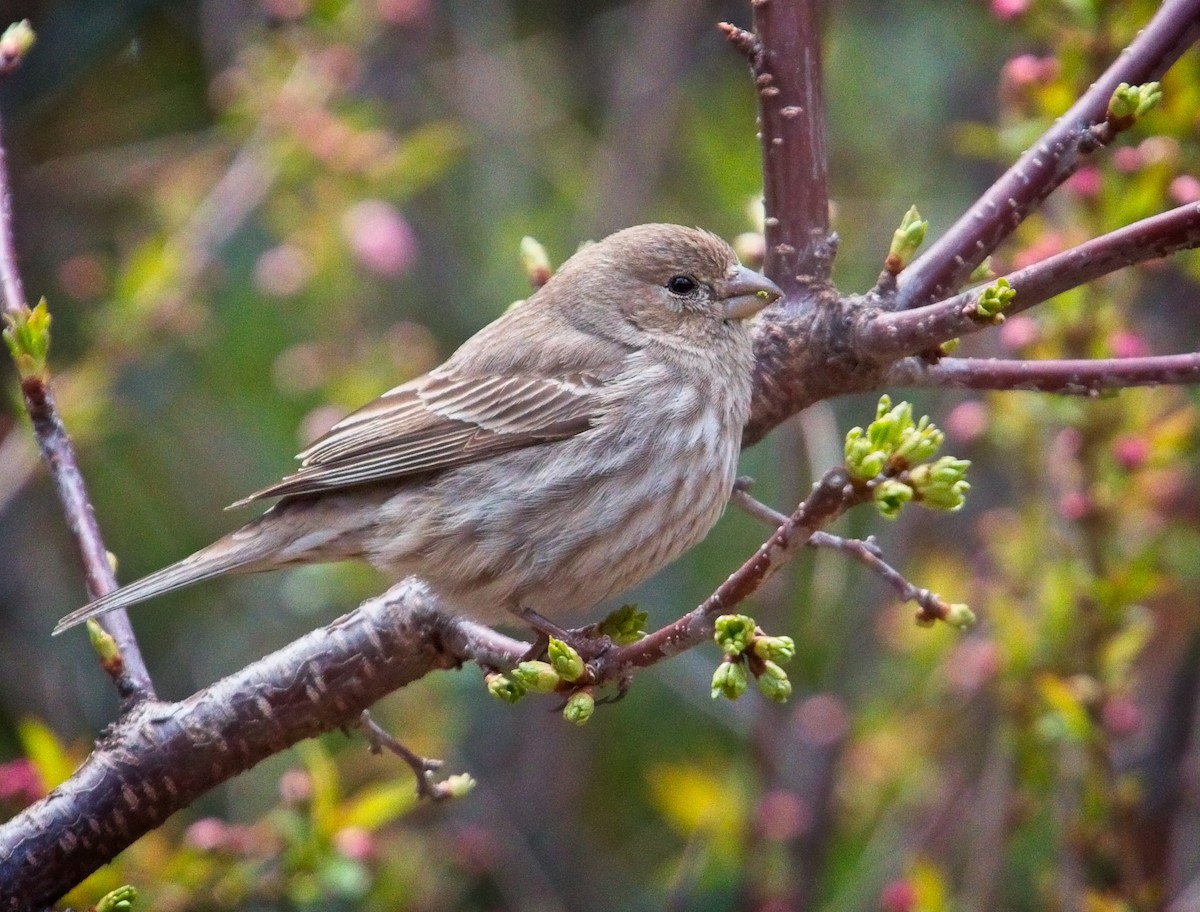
(662, 282)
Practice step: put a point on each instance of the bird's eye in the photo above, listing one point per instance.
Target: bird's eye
(682, 285)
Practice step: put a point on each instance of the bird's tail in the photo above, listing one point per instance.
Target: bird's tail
(253, 547)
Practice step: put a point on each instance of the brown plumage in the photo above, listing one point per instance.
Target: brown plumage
(563, 454)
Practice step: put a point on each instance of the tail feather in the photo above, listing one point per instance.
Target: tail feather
(237, 551)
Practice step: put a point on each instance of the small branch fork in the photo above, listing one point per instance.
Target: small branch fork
(944, 267)
(898, 333)
(930, 606)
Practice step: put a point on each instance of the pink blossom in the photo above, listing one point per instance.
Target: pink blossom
(1027, 70)
(967, 421)
(1018, 332)
(1126, 344)
(898, 896)
(1131, 451)
(1121, 716)
(354, 843)
(208, 834)
(1009, 9)
(1127, 159)
(20, 782)
(295, 786)
(1085, 182)
(1050, 243)
(380, 237)
(1184, 189)
(1074, 506)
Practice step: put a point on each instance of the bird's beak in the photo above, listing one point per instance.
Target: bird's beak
(746, 292)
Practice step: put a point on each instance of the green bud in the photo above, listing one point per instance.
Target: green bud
(919, 443)
(890, 496)
(862, 460)
(773, 683)
(949, 347)
(119, 900)
(885, 431)
(459, 785)
(27, 335)
(777, 649)
(730, 680)
(1129, 102)
(941, 485)
(540, 677)
(504, 688)
(883, 406)
(535, 262)
(960, 616)
(733, 633)
(625, 625)
(982, 272)
(994, 299)
(566, 661)
(906, 240)
(105, 645)
(1149, 97)
(579, 707)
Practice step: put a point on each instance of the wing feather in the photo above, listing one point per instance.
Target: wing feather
(439, 421)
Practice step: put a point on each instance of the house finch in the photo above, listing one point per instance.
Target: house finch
(563, 454)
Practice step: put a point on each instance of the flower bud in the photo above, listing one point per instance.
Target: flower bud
(773, 683)
(540, 677)
(579, 707)
(504, 688)
(730, 680)
(775, 648)
(566, 661)
(733, 633)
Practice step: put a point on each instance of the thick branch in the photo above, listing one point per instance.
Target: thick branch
(161, 756)
(1082, 377)
(791, 114)
(894, 334)
(943, 268)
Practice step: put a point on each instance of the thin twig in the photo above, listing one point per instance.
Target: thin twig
(908, 331)
(943, 268)
(423, 768)
(931, 606)
(129, 673)
(1084, 377)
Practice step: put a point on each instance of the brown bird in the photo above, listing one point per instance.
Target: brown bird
(562, 455)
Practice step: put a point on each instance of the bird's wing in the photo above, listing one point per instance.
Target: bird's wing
(440, 420)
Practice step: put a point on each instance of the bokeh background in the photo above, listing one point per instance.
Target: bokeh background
(250, 217)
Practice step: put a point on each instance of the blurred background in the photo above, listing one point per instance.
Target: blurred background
(250, 217)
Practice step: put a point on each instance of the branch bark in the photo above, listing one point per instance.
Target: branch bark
(1086, 377)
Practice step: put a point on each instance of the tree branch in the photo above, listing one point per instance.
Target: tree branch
(893, 334)
(129, 672)
(1081, 377)
(943, 268)
(161, 756)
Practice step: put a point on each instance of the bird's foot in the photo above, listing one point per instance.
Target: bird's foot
(588, 641)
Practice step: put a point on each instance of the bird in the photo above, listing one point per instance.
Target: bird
(563, 454)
